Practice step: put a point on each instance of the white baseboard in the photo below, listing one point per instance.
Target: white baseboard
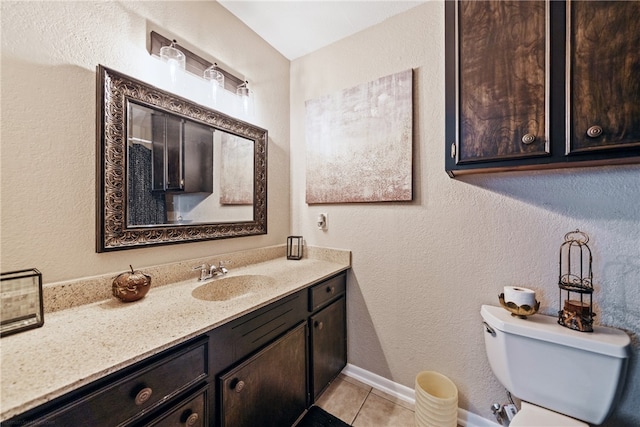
(407, 394)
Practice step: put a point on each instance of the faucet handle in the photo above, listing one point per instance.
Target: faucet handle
(221, 266)
(204, 270)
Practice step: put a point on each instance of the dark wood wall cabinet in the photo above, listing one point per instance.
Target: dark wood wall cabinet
(541, 84)
(262, 369)
(182, 155)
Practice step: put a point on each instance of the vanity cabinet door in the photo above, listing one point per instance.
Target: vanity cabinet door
(604, 73)
(328, 345)
(269, 388)
(501, 80)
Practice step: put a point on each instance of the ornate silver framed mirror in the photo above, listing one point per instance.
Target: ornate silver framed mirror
(172, 171)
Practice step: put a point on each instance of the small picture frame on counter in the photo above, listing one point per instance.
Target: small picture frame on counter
(21, 299)
(294, 247)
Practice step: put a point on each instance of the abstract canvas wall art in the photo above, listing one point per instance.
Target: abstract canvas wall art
(236, 170)
(359, 143)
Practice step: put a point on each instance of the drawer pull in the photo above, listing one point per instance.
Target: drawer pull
(528, 139)
(594, 131)
(143, 395)
(331, 290)
(318, 325)
(192, 420)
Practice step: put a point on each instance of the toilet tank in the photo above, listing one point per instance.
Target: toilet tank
(578, 374)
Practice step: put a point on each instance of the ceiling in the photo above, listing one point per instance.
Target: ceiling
(298, 27)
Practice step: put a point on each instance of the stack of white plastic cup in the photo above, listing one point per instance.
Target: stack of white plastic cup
(436, 400)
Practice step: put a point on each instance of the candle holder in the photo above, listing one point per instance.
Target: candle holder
(22, 306)
(294, 247)
(576, 280)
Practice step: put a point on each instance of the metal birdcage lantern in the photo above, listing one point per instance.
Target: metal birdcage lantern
(576, 282)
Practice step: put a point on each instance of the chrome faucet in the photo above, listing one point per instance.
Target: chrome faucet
(209, 271)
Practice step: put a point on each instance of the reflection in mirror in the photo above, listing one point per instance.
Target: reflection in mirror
(183, 172)
(174, 171)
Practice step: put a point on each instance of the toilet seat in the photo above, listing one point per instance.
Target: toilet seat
(534, 416)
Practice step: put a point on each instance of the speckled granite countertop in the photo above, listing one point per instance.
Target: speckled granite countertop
(80, 344)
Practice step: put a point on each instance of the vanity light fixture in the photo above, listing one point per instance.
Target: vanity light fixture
(174, 58)
(214, 85)
(246, 98)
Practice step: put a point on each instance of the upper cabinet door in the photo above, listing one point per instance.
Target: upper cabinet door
(502, 80)
(603, 42)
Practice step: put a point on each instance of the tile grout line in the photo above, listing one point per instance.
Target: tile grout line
(361, 406)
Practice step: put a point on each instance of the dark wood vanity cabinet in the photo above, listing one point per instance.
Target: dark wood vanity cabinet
(328, 332)
(270, 387)
(130, 397)
(541, 84)
(263, 368)
(328, 345)
(253, 342)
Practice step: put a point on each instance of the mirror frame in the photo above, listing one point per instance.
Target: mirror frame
(114, 90)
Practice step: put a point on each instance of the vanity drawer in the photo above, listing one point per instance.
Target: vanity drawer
(192, 412)
(326, 291)
(252, 331)
(137, 394)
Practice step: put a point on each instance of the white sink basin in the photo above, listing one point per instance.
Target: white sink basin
(232, 287)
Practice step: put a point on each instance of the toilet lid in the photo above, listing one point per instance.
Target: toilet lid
(535, 416)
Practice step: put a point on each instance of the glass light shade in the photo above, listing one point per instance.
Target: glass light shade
(175, 59)
(245, 95)
(214, 75)
(215, 78)
(173, 56)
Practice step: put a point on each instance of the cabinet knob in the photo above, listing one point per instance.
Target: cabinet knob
(143, 395)
(331, 289)
(192, 420)
(528, 139)
(237, 385)
(318, 325)
(594, 131)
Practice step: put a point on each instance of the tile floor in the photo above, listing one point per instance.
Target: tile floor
(360, 405)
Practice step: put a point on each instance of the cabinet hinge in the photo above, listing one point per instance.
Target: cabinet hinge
(453, 150)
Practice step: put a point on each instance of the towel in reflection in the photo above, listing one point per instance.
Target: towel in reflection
(145, 206)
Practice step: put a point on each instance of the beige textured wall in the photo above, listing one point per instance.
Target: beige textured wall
(421, 270)
(50, 51)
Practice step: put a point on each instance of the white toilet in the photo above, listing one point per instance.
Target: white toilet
(563, 377)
